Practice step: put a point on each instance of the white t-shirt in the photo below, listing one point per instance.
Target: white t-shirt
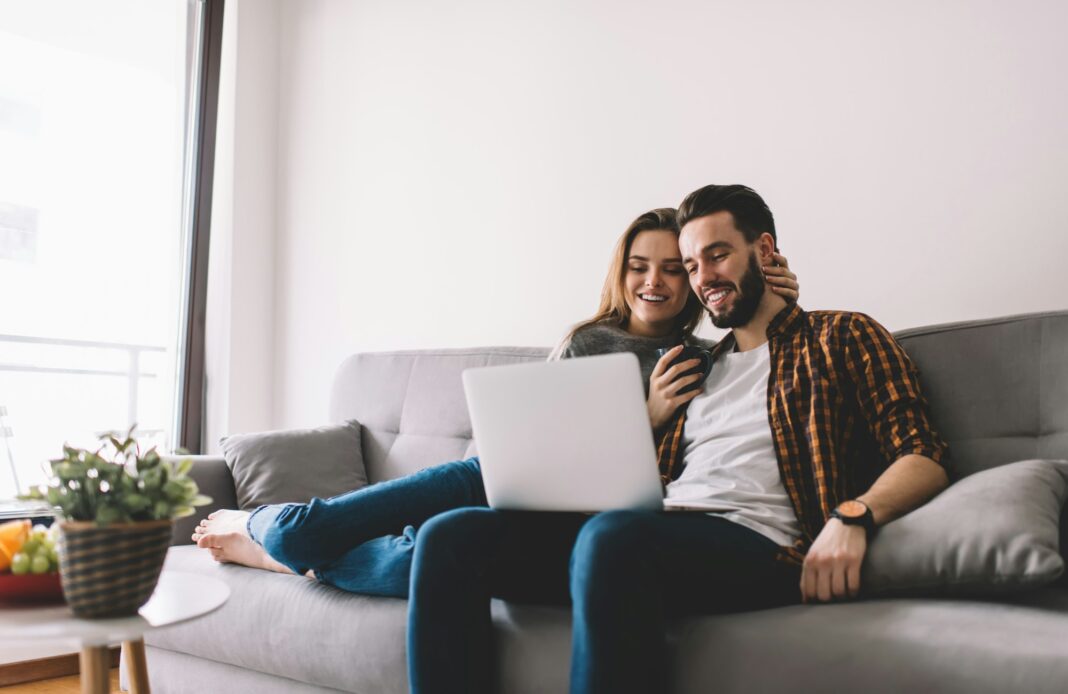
(729, 457)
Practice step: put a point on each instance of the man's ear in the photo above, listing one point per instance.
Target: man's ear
(765, 248)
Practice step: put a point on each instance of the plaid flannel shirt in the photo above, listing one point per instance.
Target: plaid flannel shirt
(844, 402)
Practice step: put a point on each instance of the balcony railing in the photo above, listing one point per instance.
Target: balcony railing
(131, 371)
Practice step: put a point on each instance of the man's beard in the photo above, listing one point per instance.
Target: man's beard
(749, 293)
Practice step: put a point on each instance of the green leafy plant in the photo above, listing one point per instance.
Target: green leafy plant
(118, 484)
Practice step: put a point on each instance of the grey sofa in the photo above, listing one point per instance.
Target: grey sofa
(999, 393)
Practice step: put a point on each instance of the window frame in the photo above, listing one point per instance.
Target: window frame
(200, 177)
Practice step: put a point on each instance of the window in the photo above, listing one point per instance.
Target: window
(93, 248)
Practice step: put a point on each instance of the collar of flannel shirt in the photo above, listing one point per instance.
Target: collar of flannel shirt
(669, 453)
(786, 321)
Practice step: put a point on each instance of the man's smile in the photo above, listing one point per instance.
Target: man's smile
(717, 295)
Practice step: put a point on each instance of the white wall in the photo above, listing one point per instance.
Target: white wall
(456, 173)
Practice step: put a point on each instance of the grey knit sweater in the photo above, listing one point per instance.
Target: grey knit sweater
(604, 338)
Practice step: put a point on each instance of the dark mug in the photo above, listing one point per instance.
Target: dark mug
(689, 352)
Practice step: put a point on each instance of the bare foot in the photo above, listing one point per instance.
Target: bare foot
(225, 534)
(222, 521)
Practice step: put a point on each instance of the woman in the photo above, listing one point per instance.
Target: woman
(351, 541)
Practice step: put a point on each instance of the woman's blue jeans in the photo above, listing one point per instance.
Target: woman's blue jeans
(362, 541)
(627, 574)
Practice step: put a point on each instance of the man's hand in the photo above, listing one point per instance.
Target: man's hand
(832, 567)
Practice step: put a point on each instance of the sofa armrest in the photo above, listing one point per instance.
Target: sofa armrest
(1063, 582)
(214, 479)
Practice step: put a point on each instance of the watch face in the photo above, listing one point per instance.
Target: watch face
(852, 509)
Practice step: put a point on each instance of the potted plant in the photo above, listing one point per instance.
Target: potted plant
(115, 507)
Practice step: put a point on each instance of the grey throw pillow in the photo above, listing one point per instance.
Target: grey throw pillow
(293, 466)
(992, 532)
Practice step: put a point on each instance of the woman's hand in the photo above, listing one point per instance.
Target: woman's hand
(781, 280)
(664, 396)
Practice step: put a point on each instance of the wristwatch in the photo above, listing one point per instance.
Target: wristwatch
(855, 512)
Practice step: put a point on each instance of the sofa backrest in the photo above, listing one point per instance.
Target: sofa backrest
(998, 388)
(998, 391)
(411, 405)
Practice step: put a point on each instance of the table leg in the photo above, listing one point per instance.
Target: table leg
(93, 662)
(137, 666)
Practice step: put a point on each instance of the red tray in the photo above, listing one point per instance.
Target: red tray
(30, 587)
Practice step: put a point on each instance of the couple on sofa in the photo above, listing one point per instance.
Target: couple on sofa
(809, 432)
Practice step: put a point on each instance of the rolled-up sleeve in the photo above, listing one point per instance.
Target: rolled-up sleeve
(889, 393)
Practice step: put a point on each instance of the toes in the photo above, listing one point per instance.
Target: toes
(204, 541)
(213, 514)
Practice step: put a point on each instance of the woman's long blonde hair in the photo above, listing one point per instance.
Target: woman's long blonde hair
(614, 309)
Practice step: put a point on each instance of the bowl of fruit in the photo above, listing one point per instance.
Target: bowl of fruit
(29, 564)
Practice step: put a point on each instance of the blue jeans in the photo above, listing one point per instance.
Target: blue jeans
(626, 573)
(362, 541)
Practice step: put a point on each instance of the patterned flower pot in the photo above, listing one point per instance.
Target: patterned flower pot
(111, 571)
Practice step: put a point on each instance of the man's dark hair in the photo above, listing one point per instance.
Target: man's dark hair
(751, 214)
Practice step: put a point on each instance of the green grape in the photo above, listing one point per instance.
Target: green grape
(39, 564)
(20, 563)
(30, 546)
(46, 548)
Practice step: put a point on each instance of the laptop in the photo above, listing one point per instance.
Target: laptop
(569, 435)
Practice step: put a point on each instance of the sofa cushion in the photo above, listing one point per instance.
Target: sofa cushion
(411, 404)
(280, 466)
(295, 628)
(882, 646)
(998, 388)
(995, 531)
(172, 672)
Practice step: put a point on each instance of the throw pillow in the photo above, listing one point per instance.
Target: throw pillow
(995, 531)
(276, 467)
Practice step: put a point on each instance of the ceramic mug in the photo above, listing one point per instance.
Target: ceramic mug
(689, 352)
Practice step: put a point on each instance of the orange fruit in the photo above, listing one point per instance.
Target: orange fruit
(12, 535)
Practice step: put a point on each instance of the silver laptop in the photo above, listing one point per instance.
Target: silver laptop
(569, 435)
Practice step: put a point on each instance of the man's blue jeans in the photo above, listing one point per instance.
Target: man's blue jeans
(627, 573)
(362, 541)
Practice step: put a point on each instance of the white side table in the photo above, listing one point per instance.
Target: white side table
(179, 597)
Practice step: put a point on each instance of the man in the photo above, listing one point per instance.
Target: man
(822, 357)
(810, 433)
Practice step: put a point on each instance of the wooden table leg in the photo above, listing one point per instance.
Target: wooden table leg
(94, 662)
(136, 666)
